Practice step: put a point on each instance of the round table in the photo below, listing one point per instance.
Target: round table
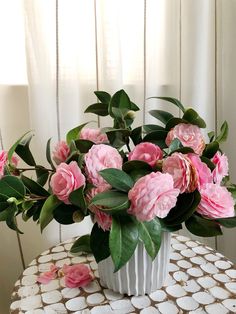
(200, 280)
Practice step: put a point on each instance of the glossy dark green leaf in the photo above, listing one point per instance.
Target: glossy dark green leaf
(229, 222)
(77, 198)
(74, 133)
(100, 109)
(185, 207)
(14, 146)
(156, 137)
(134, 107)
(137, 169)
(136, 135)
(193, 117)
(211, 136)
(48, 154)
(99, 243)
(83, 145)
(211, 149)
(150, 233)
(110, 199)
(152, 127)
(169, 228)
(11, 186)
(208, 162)
(203, 227)
(173, 122)
(46, 214)
(118, 137)
(174, 145)
(42, 175)
(123, 240)
(161, 115)
(104, 97)
(81, 245)
(64, 214)
(119, 209)
(34, 187)
(117, 178)
(119, 100)
(11, 218)
(172, 100)
(224, 130)
(23, 151)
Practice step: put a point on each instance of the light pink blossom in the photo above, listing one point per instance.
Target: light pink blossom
(216, 201)
(148, 152)
(203, 172)
(153, 195)
(66, 179)
(184, 174)
(3, 161)
(189, 135)
(103, 220)
(101, 157)
(49, 275)
(78, 275)
(61, 152)
(222, 167)
(93, 135)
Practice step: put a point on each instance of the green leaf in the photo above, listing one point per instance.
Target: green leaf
(169, 228)
(173, 122)
(23, 151)
(104, 97)
(110, 199)
(152, 127)
(161, 115)
(11, 186)
(156, 137)
(117, 178)
(42, 175)
(208, 162)
(118, 137)
(74, 133)
(123, 240)
(119, 100)
(137, 169)
(119, 209)
(224, 130)
(211, 136)
(174, 101)
(81, 245)
(4, 214)
(185, 207)
(77, 198)
(203, 227)
(136, 135)
(46, 214)
(64, 214)
(211, 149)
(11, 218)
(99, 243)
(34, 187)
(229, 222)
(174, 145)
(193, 117)
(14, 146)
(134, 107)
(100, 109)
(150, 233)
(48, 154)
(83, 145)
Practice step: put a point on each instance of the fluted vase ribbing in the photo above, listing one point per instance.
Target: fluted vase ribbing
(140, 275)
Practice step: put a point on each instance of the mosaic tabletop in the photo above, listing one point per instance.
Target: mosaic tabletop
(200, 280)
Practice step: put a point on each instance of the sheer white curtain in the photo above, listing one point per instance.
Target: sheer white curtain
(180, 48)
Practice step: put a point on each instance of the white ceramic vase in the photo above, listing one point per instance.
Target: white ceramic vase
(140, 275)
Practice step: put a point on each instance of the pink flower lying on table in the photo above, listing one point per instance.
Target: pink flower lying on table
(78, 275)
(49, 275)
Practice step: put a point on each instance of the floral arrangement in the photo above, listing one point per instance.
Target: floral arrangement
(135, 183)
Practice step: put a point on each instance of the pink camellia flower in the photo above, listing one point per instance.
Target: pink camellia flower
(3, 161)
(184, 174)
(103, 220)
(93, 135)
(152, 195)
(148, 152)
(222, 167)
(66, 179)
(203, 172)
(78, 275)
(101, 157)
(216, 202)
(49, 275)
(189, 135)
(61, 152)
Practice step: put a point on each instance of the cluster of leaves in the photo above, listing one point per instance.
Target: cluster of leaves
(20, 194)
